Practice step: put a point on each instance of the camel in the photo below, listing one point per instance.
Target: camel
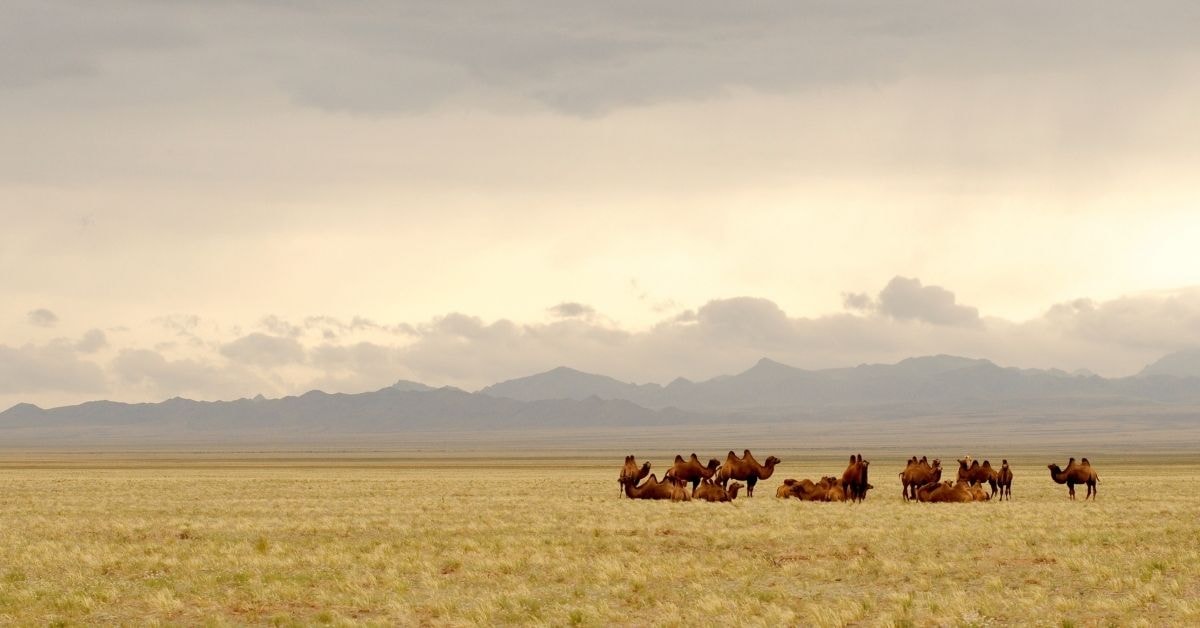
(835, 494)
(745, 468)
(692, 471)
(712, 492)
(854, 479)
(787, 489)
(977, 473)
(1004, 481)
(669, 488)
(919, 473)
(632, 473)
(806, 490)
(1081, 473)
(945, 492)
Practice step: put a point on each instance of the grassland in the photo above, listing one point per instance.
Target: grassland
(90, 540)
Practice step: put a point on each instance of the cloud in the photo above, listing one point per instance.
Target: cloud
(906, 299)
(149, 373)
(571, 310)
(51, 368)
(42, 317)
(93, 340)
(259, 349)
(583, 59)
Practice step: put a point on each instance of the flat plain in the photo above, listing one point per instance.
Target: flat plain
(393, 539)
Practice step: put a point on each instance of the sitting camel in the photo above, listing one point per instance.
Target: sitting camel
(1081, 473)
(631, 473)
(669, 488)
(692, 471)
(1004, 481)
(945, 492)
(919, 473)
(806, 490)
(745, 468)
(710, 491)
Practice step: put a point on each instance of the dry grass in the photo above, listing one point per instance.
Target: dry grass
(531, 542)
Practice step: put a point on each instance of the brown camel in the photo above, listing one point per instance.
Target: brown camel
(919, 473)
(945, 492)
(1081, 473)
(835, 494)
(745, 468)
(669, 488)
(977, 473)
(712, 492)
(632, 473)
(854, 479)
(1004, 481)
(806, 490)
(692, 471)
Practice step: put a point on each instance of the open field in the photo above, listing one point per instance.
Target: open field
(305, 539)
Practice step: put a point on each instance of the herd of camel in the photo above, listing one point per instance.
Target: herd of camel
(921, 480)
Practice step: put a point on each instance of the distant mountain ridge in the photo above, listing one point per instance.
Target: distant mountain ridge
(774, 387)
(940, 385)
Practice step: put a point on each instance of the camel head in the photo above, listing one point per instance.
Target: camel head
(937, 463)
(772, 461)
(1004, 463)
(963, 463)
(1054, 468)
(713, 464)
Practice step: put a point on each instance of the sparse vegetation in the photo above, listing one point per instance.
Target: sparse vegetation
(342, 541)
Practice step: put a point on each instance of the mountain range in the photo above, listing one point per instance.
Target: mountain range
(564, 398)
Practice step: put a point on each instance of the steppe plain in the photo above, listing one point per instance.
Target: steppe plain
(437, 538)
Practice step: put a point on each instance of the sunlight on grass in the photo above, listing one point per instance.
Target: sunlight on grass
(548, 545)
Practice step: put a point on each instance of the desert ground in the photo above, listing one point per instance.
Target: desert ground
(398, 539)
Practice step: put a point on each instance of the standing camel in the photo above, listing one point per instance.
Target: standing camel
(745, 468)
(1004, 481)
(854, 479)
(691, 470)
(1081, 473)
(918, 473)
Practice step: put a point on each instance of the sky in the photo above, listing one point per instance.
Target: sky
(216, 200)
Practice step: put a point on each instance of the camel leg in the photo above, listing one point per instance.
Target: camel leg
(750, 482)
(695, 483)
(1071, 489)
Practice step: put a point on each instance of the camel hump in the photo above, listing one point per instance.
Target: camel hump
(746, 453)
(1085, 461)
(678, 458)
(693, 457)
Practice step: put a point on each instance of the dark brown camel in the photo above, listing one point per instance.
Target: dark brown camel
(691, 470)
(745, 468)
(710, 491)
(631, 473)
(1004, 481)
(671, 489)
(919, 473)
(854, 479)
(1081, 473)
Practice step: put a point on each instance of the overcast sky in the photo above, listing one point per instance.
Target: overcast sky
(219, 199)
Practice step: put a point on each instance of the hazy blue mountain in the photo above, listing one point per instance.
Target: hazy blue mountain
(567, 383)
(769, 391)
(772, 388)
(1184, 363)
